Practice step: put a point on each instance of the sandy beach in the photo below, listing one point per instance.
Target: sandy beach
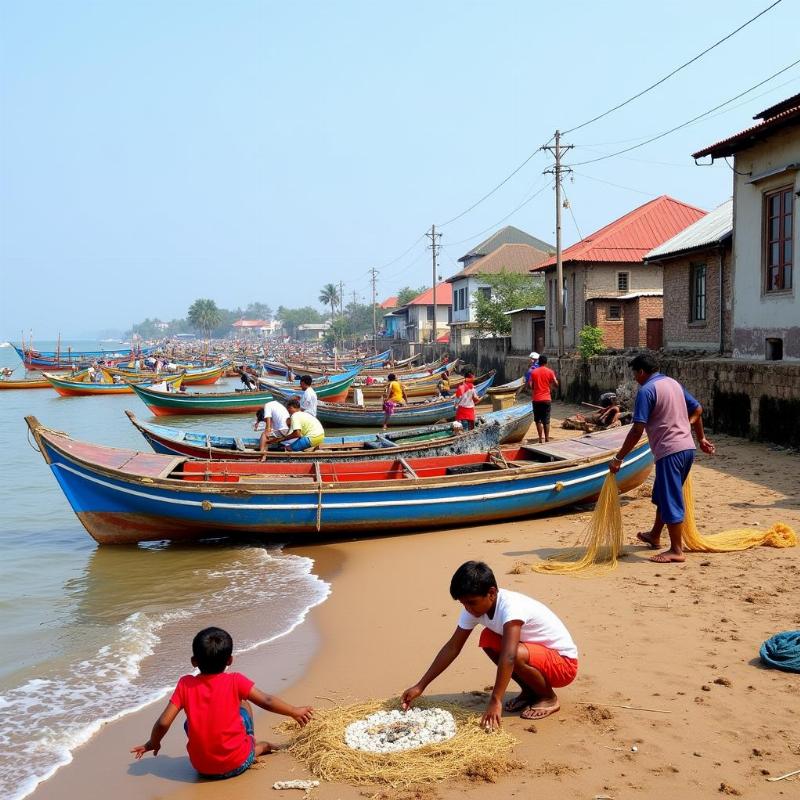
(670, 699)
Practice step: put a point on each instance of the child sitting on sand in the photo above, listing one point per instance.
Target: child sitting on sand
(219, 718)
(526, 640)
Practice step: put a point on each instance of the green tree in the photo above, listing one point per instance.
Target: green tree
(204, 316)
(329, 296)
(292, 317)
(258, 311)
(407, 294)
(590, 341)
(508, 290)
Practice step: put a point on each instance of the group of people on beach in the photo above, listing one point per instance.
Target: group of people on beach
(524, 638)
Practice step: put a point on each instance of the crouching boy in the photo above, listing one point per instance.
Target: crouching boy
(526, 640)
(219, 718)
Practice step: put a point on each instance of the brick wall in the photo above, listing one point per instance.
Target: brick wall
(648, 308)
(680, 333)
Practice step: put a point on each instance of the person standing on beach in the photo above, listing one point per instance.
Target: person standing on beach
(308, 400)
(219, 718)
(542, 378)
(465, 399)
(668, 413)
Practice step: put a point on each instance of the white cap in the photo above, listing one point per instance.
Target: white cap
(534, 356)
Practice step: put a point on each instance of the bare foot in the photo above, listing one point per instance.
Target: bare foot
(521, 701)
(265, 748)
(652, 540)
(542, 709)
(668, 557)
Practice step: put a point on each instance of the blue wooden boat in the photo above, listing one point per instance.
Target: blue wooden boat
(125, 497)
(492, 429)
(425, 412)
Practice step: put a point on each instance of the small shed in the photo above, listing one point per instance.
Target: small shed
(527, 328)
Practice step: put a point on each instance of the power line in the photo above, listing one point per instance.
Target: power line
(617, 185)
(490, 193)
(674, 71)
(402, 255)
(688, 122)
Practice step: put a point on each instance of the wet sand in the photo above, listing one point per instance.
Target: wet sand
(676, 644)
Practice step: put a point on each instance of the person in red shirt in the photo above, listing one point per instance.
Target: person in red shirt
(219, 718)
(542, 378)
(465, 398)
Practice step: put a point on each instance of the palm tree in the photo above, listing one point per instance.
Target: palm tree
(204, 315)
(329, 296)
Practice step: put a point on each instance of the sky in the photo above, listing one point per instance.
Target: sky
(156, 151)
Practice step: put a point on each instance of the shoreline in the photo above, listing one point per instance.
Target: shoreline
(668, 656)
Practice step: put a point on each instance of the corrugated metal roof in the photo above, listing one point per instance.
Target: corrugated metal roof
(509, 257)
(632, 236)
(787, 115)
(709, 231)
(628, 296)
(520, 310)
(507, 235)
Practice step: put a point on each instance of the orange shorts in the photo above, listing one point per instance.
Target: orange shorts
(557, 669)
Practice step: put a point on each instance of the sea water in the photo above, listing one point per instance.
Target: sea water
(91, 633)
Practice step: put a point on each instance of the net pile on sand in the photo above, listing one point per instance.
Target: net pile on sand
(471, 752)
(601, 543)
(393, 731)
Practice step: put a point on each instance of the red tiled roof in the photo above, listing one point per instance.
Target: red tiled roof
(390, 302)
(508, 257)
(444, 296)
(782, 115)
(632, 237)
(251, 323)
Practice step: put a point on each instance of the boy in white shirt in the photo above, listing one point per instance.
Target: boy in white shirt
(275, 417)
(526, 640)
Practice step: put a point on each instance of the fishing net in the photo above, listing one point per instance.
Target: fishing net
(472, 752)
(779, 535)
(601, 544)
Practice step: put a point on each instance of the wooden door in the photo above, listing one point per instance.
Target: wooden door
(537, 340)
(655, 334)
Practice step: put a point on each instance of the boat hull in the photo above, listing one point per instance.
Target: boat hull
(118, 508)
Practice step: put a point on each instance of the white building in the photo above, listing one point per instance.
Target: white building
(766, 239)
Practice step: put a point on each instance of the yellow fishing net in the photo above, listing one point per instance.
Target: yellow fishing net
(601, 544)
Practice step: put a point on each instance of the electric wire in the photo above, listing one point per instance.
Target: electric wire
(688, 122)
(674, 71)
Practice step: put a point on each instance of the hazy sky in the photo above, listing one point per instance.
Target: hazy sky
(156, 151)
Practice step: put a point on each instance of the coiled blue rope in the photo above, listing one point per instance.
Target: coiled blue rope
(782, 651)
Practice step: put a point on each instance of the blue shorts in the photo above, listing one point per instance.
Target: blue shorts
(303, 443)
(671, 474)
(247, 721)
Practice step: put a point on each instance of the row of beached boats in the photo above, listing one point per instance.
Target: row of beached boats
(200, 484)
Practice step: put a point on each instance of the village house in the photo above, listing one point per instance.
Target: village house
(696, 265)
(414, 321)
(509, 249)
(256, 327)
(607, 284)
(527, 329)
(766, 165)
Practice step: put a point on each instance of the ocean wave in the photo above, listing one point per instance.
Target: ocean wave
(44, 719)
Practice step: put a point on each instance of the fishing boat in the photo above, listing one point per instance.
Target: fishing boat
(424, 412)
(32, 383)
(58, 360)
(192, 376)
(125, 497)
(492, 429)
(173, 403)
(425, 386)
(79, 385)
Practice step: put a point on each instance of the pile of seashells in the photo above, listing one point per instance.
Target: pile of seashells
(393, 731)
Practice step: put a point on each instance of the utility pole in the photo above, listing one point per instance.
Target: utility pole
(341, 299)
(558, 150)
(434, 245)
(374, 273)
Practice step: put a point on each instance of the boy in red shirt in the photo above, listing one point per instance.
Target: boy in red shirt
(542, 378)
(219, 718)
(465, 399)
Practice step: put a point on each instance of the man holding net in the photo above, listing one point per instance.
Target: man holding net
(668, 413)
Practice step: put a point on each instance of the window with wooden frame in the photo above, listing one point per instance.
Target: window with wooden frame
(778, 231)
(697, 293)
(615, 311)
(623, 281)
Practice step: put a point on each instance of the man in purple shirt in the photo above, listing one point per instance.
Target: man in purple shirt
(668, 413)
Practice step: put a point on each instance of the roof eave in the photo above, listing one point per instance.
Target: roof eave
(689, 250)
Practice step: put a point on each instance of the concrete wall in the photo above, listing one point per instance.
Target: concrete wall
(758, 315)
(680, 333)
